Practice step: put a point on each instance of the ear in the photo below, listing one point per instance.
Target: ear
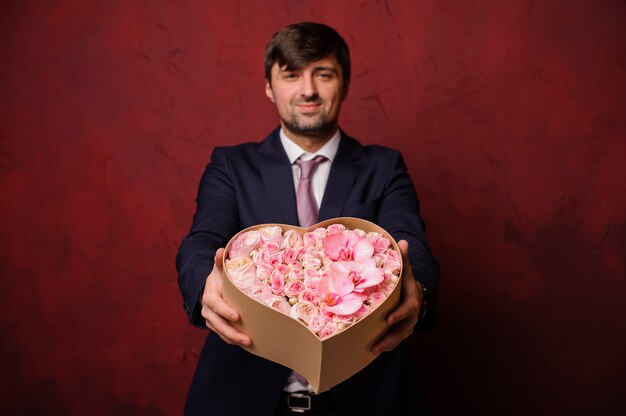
(269, 92)
(345, 92)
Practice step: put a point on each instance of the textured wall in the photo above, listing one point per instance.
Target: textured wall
(511, 116)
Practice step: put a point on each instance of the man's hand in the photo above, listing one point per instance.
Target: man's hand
(217, 314)
(404, 317)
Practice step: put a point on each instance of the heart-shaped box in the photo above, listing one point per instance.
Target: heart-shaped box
(282, 339)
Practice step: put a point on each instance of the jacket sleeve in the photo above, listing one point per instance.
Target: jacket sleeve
(399, 214)
(215, 221)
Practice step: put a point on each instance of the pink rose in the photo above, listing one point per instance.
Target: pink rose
(312, 283)
(292, 239)
(381, 244)
(314, 237)
(261, 293)
(296, 273)
(276, 258)
(336, 228)
(290, 255)
(272, 233)
(294, 288)
(392, 265)
(304, 312)
(327, 314)
(393, 254)
(380, 259)
(277, 284)
(346, 319)
(281, 269)
(363, 312)
(310, 262)
(329, 330)
(271, 246)
(262, 256)
(278, 303)
(244, 244)
(376, 298)
(388, 287)
(311, 273)
(242, 272)
(264, 270)
(393, 261)
(317, 323)
(309, 296)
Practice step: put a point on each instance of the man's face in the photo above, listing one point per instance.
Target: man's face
(308, 100)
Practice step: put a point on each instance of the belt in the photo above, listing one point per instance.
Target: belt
(300, 402)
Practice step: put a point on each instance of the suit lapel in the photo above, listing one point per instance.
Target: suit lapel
(278, 180)
(343, 173)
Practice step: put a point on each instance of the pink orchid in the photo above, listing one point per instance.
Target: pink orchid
(336, 293)
(361, 275)
(348, 246)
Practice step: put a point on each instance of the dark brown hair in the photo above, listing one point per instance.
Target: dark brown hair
(299, 44)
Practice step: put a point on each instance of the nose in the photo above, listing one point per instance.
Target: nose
(309, 88)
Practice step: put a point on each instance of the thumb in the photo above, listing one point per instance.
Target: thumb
(219, 260)
(404, 250)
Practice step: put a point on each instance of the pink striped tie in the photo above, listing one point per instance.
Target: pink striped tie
(307, 207)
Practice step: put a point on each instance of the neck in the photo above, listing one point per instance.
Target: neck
(310, 144)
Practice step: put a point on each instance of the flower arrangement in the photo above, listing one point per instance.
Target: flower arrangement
(327, 278)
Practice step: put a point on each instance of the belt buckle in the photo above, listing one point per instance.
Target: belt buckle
(299, 408)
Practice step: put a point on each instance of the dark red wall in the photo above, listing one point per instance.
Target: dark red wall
(510, 114)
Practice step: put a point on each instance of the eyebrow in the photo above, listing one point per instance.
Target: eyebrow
(325, 68)
(315, 69)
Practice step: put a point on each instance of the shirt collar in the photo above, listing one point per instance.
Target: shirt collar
(329, 150)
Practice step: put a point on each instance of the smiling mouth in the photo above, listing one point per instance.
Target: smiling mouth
(308, 107)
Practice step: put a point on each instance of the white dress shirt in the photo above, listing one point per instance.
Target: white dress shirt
(320, 177)
(318, 185)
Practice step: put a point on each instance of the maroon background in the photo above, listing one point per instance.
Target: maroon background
(510, 114)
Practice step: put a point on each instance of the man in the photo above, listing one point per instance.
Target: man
(307, 71)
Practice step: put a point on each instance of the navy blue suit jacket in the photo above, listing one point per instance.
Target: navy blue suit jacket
(252, 183)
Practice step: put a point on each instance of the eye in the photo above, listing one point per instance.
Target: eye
(290, 75)
(325, 75)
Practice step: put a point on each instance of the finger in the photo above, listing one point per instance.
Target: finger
(223, 328)
(394, 337)
(219, 260)
(409, 303)
(216, 304)
(403, 245)
(208, 325)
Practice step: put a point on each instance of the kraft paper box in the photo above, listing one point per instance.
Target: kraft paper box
(284, 340)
